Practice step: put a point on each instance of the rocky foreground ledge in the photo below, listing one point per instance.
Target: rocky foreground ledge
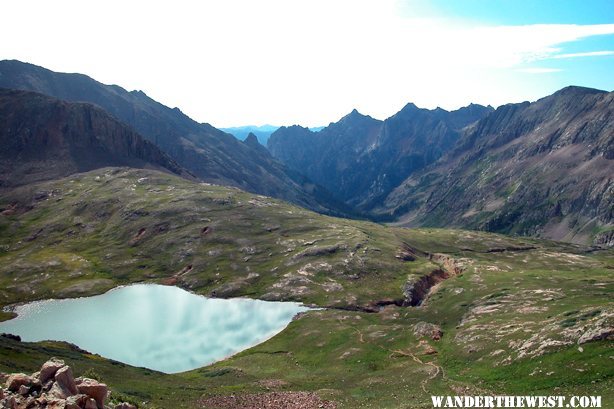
(54, 387)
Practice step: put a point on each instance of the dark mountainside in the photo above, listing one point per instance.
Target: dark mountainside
(363, 159)
(542, 168)
(43, 138)
(252, 141)
(210, 154)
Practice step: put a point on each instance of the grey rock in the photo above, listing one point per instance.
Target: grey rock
(426, 329)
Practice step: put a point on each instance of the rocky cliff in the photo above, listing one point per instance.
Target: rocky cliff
(43, 138)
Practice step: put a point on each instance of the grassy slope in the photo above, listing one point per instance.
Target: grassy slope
(81, 236)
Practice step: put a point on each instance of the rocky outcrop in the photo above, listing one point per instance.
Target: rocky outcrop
(597, 334)
(54, 387)
(428, 330)
(94, 389)
(49, 369)
(66, 381)
(16, 381)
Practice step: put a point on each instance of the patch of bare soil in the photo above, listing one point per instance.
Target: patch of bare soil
(270, 400)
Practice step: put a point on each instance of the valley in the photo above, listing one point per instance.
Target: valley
(513, 315)
(431, 253)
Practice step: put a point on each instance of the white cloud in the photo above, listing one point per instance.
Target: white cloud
(242, 61)
(586, 54)
(539, 70)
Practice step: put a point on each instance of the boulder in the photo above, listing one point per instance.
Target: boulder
(76, 401)
(49, 369)
(56, 404)
(66, 381)
(56, 391)
(95, 389)
(426, 329)
(90, 404)
(16, 380)
(23, 390)
(10, 403)
(125, 405)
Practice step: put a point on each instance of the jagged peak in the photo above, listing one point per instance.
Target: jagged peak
(354, 116)
(251, 138)
(472, 107)
(410, 109)
(410, 106)
(293, 127)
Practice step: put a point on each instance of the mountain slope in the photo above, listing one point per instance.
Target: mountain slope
(503, 308)
(544, 168)
(43, 138)
(207, 152)
(363, 159)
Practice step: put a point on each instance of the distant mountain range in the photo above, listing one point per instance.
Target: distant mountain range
(262, 132)
(363, 159)
(543, 169)
(208, 153)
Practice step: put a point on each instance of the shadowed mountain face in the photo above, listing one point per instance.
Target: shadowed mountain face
(544, 168)
(208, 153)
(363, 159)
(42, 138)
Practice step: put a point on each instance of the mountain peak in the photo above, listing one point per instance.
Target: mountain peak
(578, 90)
(354, 115)
(251, 139)
(253, 142)
(408, 110)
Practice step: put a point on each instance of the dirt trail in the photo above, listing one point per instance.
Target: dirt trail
(393, 352)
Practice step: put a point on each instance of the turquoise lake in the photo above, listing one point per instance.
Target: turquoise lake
(158, 327)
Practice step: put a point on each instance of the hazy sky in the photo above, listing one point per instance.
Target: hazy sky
(309, 62)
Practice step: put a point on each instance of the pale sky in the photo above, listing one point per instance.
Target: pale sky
(309, 62)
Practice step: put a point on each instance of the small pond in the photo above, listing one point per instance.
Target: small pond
(158, 327)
